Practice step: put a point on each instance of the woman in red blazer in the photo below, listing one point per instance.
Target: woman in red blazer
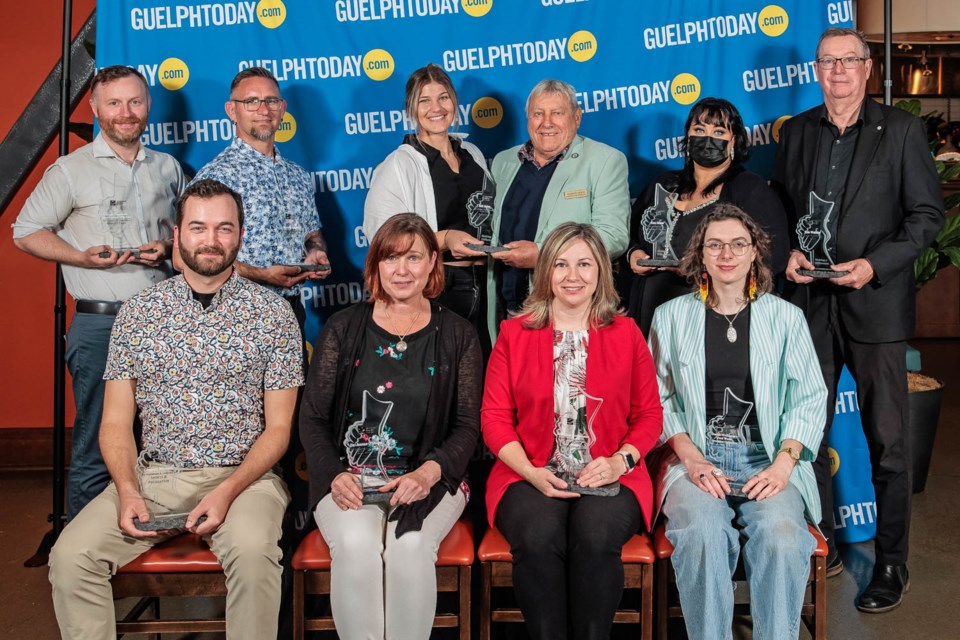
(570, 409)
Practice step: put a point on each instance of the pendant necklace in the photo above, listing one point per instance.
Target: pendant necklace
(731, 332)
(401, 345)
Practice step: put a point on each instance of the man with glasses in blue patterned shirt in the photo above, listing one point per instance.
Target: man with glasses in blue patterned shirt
(283, 226)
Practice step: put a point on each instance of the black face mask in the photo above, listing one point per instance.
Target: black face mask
(707, 151)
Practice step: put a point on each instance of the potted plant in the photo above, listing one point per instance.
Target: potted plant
(925, 392)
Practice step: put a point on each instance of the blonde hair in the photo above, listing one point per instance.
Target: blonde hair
(605, 303)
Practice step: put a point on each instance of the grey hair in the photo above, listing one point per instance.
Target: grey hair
(553, 87)
(840, 32)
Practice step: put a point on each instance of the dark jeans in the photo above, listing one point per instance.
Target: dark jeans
(880, 371)
(567, 572)
(464, 293)
(88, 341)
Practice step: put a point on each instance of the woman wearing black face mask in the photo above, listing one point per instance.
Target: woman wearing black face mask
(714, 150)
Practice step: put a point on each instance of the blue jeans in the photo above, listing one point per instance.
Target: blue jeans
(706, 547)
(87, 343)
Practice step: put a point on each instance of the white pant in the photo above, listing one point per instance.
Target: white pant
(383, 587)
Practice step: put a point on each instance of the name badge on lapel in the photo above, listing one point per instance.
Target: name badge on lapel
(579, 193)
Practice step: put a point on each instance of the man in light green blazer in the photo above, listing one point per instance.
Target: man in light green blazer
(556, 176)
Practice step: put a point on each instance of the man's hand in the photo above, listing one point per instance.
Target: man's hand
(91, 258)
(798, 261)
(522, 254)
(152, 254)
(278, 275)
(317, 256)
(133, 506)
(859, 273)
(215, 506)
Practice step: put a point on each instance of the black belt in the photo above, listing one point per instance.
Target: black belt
(99, 307)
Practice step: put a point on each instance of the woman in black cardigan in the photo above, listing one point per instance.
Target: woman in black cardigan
(714, 150)
(389, 420)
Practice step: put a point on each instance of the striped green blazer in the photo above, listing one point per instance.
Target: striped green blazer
(788, 387)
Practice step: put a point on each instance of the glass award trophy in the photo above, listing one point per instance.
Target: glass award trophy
(480, 211)
(728, 441)
(167, 506)
(813, 234)
(573, 436)
(122, 229)
(367, 441)
(657, 223)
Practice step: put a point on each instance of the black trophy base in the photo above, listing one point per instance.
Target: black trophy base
(657, 263)
(822, 273)
(607, 490)
(372, 496)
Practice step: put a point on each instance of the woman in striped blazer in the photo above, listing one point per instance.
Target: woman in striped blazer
(744, 407)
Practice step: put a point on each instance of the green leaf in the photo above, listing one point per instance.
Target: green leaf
(954, 254)
(951, 201)
(910, 106)
(925, 267)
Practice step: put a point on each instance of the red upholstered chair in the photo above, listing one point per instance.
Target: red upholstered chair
(496, 567)
(814, 610)
(311, 576)
(181, 566)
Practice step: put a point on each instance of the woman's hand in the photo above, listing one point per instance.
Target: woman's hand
(770, 481)
(346, 491)
(548, 484)
(601, 471)
(415, 485)
(709, 478)
(640, 254)
(455, 242)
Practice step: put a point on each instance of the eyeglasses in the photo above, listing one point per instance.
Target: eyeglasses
(253, 104)
(850, 62)
(737, 247)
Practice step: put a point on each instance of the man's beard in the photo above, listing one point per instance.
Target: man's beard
(110, 130)
(208, 268)
(263, 133)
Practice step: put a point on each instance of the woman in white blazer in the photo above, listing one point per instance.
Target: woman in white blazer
(744, 406)
(445, 180)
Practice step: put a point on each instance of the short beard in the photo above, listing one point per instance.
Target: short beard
(191, 259)
(113, 134)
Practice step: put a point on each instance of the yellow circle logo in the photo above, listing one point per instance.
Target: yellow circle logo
(487, 112)
(776, 127)
(271, 13)
(476, 8)
(301, 466)
(173, 73)
(834, 460)
(378, 64)
(773, 20)
(685, 88)
(288, 128)
(582, 46)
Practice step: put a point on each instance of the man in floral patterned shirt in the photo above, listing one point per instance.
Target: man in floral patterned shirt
(213, 363)
(283, 226)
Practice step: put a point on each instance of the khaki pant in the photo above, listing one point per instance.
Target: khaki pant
(92, 548)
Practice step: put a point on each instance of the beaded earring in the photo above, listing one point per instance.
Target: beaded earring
(752, 289)
(704, 286)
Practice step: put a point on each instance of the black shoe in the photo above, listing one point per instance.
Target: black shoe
(834, 563)
(886, 589)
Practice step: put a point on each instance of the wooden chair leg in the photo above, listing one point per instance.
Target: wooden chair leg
(299, 606)
(819, 596)
(486, 578)
(465, 574)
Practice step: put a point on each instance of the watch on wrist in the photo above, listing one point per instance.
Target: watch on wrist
(790, 451)
(628, 461)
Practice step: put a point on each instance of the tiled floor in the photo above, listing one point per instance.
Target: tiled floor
(930, 611)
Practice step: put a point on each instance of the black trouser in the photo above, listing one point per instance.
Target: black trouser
(567, 572)
(465, 293)
(880, 371)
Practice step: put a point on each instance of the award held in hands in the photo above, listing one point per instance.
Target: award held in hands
(657, 223)
(730, 444)
(813, 233)
(160, 492)
(367, 441)
(574, 413)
